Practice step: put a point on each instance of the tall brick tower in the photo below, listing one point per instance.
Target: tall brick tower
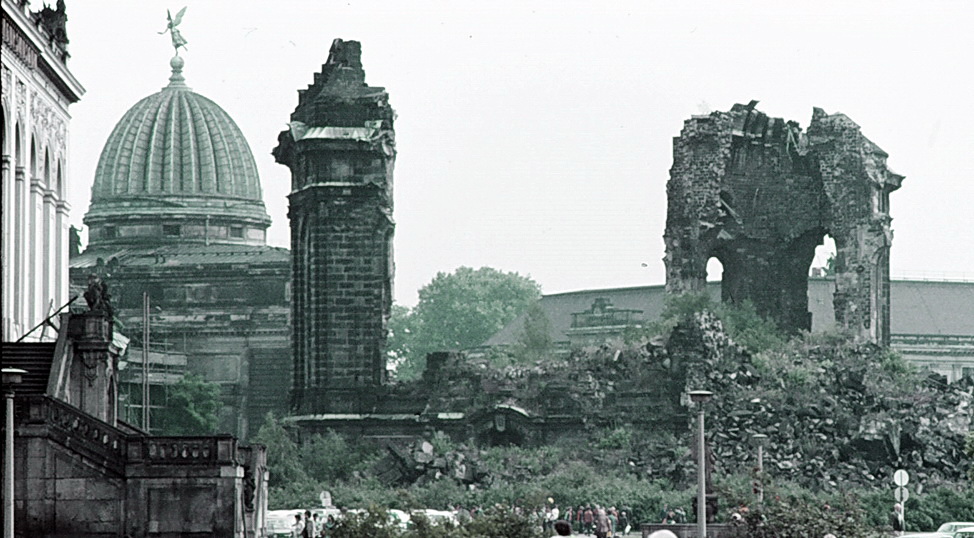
(340, 147)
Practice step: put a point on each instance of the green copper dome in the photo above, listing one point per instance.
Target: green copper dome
(176, 168)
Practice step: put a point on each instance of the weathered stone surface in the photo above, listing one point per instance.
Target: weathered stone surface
(759, 195)
(340, 147)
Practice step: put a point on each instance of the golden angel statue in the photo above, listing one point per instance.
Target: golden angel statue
(177, 38)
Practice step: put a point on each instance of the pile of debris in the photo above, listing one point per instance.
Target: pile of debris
(419, 463)
(836, 412)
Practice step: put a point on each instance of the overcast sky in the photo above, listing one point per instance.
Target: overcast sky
(536, 136)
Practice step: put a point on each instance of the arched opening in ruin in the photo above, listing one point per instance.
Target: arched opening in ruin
(823, 263)
(715, 270)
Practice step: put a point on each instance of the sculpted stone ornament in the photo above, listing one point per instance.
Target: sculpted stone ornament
(177, 37)
(97, 296)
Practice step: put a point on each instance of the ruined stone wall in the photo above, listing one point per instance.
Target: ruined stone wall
(340, 148)
(759, 195)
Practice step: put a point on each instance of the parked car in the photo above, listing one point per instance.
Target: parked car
(953, 526)
(966, 532)
(279, 523)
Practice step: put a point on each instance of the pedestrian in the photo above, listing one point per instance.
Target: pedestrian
(329, 525)
(308, 531)
(896, 519)
(297, 528)
(588, 520)
(316, 523)
(602, 524)
(624, 523)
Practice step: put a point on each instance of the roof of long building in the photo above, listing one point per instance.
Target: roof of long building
(917, 307)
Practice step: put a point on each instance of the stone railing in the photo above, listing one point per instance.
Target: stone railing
(220, 449)
(114, 447)
(70, 426)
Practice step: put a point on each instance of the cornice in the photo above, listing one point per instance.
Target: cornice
(48, 63)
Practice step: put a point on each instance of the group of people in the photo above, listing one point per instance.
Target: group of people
(311, 526)
(601, 521)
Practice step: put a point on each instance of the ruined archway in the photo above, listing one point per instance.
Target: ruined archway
(759, 194)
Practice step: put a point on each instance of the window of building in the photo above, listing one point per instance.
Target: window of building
(170, 229)
(109, 232)
(236, 232)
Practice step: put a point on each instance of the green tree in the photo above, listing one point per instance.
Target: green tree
(535, 342)
(283, 457)
(191, 408)
(400, 341)
(463, 309)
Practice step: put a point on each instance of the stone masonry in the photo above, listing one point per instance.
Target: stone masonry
(340, 147)
(759, 195)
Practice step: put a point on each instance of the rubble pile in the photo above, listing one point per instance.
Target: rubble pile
(836, 412)
(419, 463)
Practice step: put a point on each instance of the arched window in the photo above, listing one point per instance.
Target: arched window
(47, 168)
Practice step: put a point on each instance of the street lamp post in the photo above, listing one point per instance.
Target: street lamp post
(701, 397)
(11, 377)
(760, 440)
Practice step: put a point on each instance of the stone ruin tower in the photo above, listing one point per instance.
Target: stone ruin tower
(759, 195)
(340, 147)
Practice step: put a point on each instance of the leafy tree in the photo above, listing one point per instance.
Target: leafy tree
(461, 310)
(191, 408)
(283, 459)
(535, 342)
(399, 342)
(331, 457)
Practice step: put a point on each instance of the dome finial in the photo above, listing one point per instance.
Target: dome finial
(177, 80)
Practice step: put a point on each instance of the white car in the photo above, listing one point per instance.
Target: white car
(966, 532)
(279, 523)
(952, 526)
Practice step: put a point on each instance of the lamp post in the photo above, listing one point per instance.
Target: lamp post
(11, 377)
(760, 440)
(701, 397)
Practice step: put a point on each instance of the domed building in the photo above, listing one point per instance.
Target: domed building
(177, 216)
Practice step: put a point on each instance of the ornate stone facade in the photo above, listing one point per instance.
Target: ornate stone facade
(340, 147)
(759, 195)
(37, 90)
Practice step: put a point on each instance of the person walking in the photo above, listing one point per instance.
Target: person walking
(588, 520)
(297, 528)
(602, 524)
(896, 519)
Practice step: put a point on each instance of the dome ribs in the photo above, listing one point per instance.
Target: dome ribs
(176, 157)
(153, 163)
(204, 151)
